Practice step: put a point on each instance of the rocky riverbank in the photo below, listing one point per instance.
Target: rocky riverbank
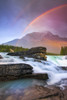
(45, 93)
(17, 71)
(35, 93)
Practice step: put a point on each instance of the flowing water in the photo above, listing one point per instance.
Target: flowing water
(53, 67)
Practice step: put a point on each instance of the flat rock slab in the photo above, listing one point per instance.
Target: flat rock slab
(44, 93)
(19, 71)
(14, 71)
(39, 76)
(35, 93)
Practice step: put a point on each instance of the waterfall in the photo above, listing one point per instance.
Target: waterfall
(52, 66)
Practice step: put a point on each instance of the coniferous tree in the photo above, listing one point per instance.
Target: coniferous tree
(63, 50)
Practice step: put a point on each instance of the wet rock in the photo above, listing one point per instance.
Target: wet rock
(1, 57)
(14, 71)
(65, 57)
(36, 50)
(17, 71)
(40, 56)
(36, 93)
(44, 93)
(64, 68)
(17, 53)
(37, 53)
(39, 76)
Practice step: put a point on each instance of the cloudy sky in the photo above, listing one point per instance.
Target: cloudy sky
(16, 15)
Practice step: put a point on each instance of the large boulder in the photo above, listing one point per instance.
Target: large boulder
(40, 56)
(29, 52)
(17, 71)
(36, 52)
(14, 71)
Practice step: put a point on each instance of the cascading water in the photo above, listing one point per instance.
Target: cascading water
(55, 73)
(52, 66)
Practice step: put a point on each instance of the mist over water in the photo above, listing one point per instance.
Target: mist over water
(53, 67)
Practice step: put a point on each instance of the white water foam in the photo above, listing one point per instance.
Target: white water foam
(55, 73)
(58, 60)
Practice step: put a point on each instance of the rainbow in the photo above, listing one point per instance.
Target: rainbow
(43, 14)
(47, 12)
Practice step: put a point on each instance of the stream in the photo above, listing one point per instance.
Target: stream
(53, 67)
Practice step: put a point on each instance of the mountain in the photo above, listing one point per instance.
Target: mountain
(13, 42)
(52, 42)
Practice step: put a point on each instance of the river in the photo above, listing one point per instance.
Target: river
(53, 67)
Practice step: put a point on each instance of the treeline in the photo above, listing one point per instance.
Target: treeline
(48, 53)
(7, 48)
(63, 50)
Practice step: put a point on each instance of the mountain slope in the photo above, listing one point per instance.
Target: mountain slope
(52, 42)
(13, 42)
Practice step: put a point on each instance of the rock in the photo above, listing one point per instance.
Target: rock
(35, 93)
(11, 50)
(64, 68)
(36, 50)
(65, 57)
(17, 71)
(17, 53)
(39, 76)
(40, 56)
(1, 57)
(14, 71)
(37, 53)
(29, 52)
(44, 93)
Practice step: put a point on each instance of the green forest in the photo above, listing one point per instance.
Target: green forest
(7, 48)
(63, 50)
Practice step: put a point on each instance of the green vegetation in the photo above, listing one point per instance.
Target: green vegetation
(51, 53)
(63, 50)
(7, 48)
